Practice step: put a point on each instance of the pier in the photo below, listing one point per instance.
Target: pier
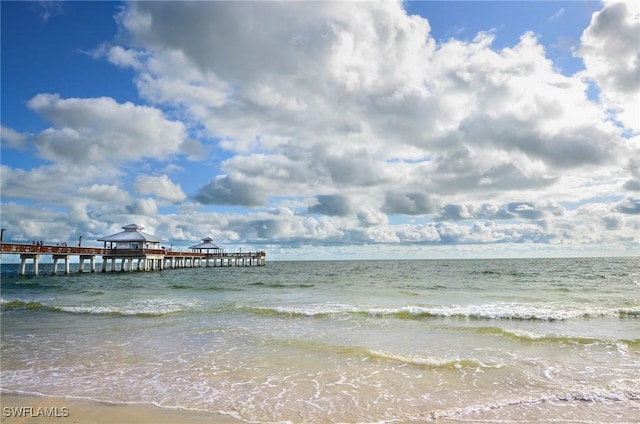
(127, 259)
(131, 250)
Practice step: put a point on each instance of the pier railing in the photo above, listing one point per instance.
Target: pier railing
(171, 253)
(51, 250)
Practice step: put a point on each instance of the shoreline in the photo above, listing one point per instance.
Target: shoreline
(32, 409)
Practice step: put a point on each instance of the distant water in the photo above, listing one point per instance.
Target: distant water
(368, 341)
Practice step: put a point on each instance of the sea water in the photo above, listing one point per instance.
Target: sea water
(554, 340)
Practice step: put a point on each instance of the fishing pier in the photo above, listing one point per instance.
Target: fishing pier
(131, 250)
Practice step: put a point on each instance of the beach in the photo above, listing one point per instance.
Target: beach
(327, 342)
(21, 409)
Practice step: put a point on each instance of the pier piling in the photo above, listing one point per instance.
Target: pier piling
(55, 263)
(23, 262)
(92, 262)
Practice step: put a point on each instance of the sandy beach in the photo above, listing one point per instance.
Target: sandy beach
(51, 410)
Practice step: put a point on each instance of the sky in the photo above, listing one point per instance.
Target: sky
(325, 130)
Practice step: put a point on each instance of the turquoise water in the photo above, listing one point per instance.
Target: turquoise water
(366, 341)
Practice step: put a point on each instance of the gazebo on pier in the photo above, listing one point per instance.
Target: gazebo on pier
(130, 244)
(207, 246)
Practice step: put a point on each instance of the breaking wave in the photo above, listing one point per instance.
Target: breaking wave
(141, 308)
(620, 392)
(205, 288)
(427, 361)
(497, 311)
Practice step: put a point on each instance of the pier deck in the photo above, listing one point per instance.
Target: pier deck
(130, 259)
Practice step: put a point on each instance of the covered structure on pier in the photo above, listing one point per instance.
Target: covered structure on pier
(207, 246)
(131, 245)
(132, 238)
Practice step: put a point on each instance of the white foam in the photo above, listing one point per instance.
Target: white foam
(137, 307)
(488, 311)
(501, 310)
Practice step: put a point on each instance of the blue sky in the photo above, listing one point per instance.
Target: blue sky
(325, 129)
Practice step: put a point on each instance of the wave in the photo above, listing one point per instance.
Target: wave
(552, 338)
(362, 353)
(496, 311)
(431, 362)
(316, 311)
(629, 313)
(142, 308)
(282, 286)
(618, 393)
(17, 304)
(528, 336)
(206, 288)
(22, 284)
(503, 311)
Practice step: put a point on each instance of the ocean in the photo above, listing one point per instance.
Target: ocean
(513, 340)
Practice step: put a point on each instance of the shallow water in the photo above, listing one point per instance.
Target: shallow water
(364, 341)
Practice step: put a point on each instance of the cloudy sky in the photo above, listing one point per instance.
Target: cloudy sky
(317, 130)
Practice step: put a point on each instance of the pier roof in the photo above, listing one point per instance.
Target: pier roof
(207, 243)
(132, 232)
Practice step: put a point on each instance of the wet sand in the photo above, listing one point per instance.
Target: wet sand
(50, 410)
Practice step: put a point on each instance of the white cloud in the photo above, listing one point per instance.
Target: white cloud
(226, 190)
(26, 223)
(13, 138)
(120, 56)
(104, 193)
(332, 98)
(365, 80)
(333, 205)
(160, 187)
(557, 15)
(51, 184)
(102, 130)
(610, 51)
(143, 207)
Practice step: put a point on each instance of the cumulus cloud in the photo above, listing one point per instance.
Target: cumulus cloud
(143, 207)
(338, 94)
(37, 183)
(26, 223)
(610, 51)
(525, 210)
(629, 206)
(226, 190)
(334, 205)
(633, 184)
(371, 217)
(496, 212)
(104, 193)
(160, 187)
(13, 138)
(102, 130)
(342, 88)
(455, 212)
(407, 203)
